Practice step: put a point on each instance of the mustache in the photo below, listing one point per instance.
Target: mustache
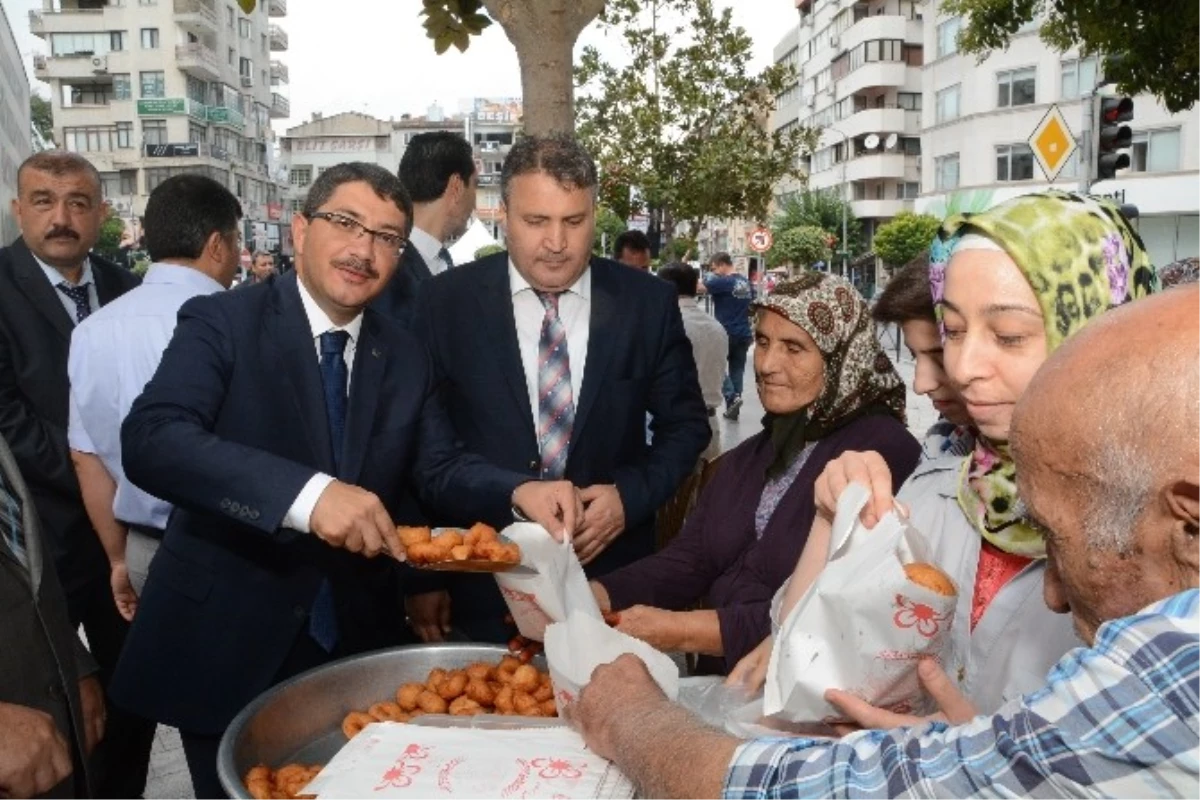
(357, 265)
(59, 232)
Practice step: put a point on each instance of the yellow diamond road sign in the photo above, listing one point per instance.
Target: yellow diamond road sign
(1052, 143)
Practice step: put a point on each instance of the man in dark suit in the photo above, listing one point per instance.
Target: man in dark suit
(51, 703)
(260, 574)
(438, 171)
(549, 361)
(48, 283)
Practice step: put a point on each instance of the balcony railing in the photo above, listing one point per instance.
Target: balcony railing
(39, 62)
(222, 115)
(279, 73)
(281, 107)
(196, 13)
(278, 38)
(277, 8)
(197, 58)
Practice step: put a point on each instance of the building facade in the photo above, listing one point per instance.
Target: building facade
(146, 89)
(492, 126)
(16, 133)
(978, 118)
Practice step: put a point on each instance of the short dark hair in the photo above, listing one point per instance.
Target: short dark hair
(721, 258)
(183, 212)
(260, 253)
(59, 163)
(429, 161)
(386, 185)
(634, 240)
(559, 155)
(684, 276)
(907, 295)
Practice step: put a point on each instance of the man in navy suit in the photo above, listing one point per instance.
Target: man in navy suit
(290, 428)
(549, 361)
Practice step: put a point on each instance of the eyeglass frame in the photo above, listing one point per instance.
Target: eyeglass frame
(357, 230)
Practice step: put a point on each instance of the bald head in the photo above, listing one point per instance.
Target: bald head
(1105, 440)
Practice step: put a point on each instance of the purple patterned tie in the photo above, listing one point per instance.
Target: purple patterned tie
(556, 405)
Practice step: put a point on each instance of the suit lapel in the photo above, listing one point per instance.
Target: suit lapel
(370, 363)
(288, 341)
(497, 312)
(41, 295)
(107, 288)
(602, 331)
(415, 264)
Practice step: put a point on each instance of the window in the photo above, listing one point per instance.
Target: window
(124, 134)
(110, 185)
(154, 131)
(153, 84)
(1155, 151)
(1017, 87)
(947, 37)
(87, 94)
(946, 102)
(1078, 77)
(909, 101)
(149, 38)
(116, 41)
(197, 133)
(243, 28)
(91, 139)
(128, 181)
(907, 191)
(262, 41)
(121, 87)
(86, 44)
(945, 172)
(229, 17)
(147, 2)
(245, 68)
(300, 176)
(910, 145)
(1071, 168)
(876, 50)
(197, 90)
(232, 56)
(1014, 162)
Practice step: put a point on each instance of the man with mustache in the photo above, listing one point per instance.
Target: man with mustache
(50, 282)
(292, 427)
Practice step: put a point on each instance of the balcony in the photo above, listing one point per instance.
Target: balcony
(875, 166)
(82, 67)
(37, 24)
(229, 117)
(197, 16)
(278, 38)
(879, 209)
(171, 107)
(281, 107)
(279, 73)
(878, 120)
(882, 26)
(66, 19)
(277, 8)
(198, 60)
(879, 73)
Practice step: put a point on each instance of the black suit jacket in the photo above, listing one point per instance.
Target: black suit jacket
(639, 361)
(230, 429)
(398, 300)
(35, 337)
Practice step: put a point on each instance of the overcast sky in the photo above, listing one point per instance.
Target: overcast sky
(373, 56)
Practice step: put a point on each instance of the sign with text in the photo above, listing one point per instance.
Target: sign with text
(172, 150)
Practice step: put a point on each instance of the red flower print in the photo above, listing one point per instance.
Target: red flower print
(918, 615)
(550, 768)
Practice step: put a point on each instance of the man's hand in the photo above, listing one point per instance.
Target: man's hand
(601, 595)
(123, 594)
(555, 505)
(953, 706)
(354, 519)
(870, 470)
(91, 697)
(603, 521)
(429, 615)
(655, 626)
(751, 672)
(34, 756)
(616, 693)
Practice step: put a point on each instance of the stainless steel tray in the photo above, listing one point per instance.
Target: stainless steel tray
(300, 720)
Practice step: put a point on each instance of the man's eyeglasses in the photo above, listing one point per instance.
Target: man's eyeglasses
(353, 229)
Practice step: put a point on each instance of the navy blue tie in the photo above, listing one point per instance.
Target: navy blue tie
(79, 295)
(322, 619)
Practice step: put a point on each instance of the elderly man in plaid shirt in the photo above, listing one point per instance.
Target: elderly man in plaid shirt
(1115, 485)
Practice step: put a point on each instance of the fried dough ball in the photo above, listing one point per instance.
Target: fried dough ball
(258, 782)
(292, 778)
(424, 553)
(411, 536)
(931, 577)
(549, 709)
(495, 686)
(512, 554)
(526, 678)
(465, 707)
(481, 693)
(448, 539)
(354, 722)
(460, 553)
(491, 550)
(431, 703)
(437, 676)
(544, 692)
(504, 700)
(480, 671)
(523, 703)
(454, 685)
(406, 695)
(386, 711)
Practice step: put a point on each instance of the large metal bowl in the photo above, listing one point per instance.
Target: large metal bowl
(300, 720)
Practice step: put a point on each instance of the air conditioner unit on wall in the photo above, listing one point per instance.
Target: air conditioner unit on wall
(99, 64)
(247, 81)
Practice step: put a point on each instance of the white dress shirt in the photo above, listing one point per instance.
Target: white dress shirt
(575, 312)
(297, 517)
(85, 279)
(114, 353)
(430, 249)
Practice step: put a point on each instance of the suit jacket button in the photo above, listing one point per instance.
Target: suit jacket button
(236, 508)
(254, 514)
(55, 691)
(224, 503)
(535, 464)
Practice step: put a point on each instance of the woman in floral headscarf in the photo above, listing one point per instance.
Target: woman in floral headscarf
(1010, 285)
(827, 388)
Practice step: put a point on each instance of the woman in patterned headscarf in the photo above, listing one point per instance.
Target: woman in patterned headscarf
(1010, 285)
(827, 388)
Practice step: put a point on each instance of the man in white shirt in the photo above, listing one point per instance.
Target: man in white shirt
(191, 229)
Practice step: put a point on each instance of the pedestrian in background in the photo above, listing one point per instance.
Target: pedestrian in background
(731, 294)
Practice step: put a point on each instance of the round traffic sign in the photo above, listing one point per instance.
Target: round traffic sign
(761, 240)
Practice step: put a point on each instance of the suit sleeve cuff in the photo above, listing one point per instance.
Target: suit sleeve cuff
(298, 515)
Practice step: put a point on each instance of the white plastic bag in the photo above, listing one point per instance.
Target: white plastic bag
(556, 588)
(862, 626)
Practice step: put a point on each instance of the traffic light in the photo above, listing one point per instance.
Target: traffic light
(1112, 136)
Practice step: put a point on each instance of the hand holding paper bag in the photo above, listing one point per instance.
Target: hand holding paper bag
(557, 588)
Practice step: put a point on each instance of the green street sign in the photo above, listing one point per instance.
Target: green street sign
(161, 106)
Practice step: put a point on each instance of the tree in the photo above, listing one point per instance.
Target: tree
(487, 250)
(680, 248)
(823, 210)
(903, 238)
(682, 128)
(42, 114)
(112, 230)
(801, 246)
(1150, 47)
(609, 225)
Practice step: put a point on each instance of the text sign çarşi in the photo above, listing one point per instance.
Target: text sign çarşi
(1052, 143)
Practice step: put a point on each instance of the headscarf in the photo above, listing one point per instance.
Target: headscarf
(1081, 258)
(1179, 273)
(859, 377)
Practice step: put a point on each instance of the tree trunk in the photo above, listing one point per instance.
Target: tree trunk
(544, 34)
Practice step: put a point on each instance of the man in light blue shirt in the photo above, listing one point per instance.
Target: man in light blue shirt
(191, 229)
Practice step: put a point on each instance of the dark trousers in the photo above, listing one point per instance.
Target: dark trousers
(122, 758)
(732, 387)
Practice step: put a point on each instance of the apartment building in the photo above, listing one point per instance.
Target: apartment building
(146, 89)
(492, 126)
(16, 133)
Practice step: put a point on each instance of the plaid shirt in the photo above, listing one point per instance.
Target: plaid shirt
(11, 526)
(1116, 720)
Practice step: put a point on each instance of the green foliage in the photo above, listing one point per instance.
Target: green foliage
(141, 265)
(609, 225)
(905, 237)
(112, 229)
(822, 210)
(801, 246)
(681, 248)
(683, 122)
(1151, 46)
(43, 116)
(487, 250)
(453, 22)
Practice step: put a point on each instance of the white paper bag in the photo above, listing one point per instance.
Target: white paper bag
(862, 626)
(576, 647)
(558, 588)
